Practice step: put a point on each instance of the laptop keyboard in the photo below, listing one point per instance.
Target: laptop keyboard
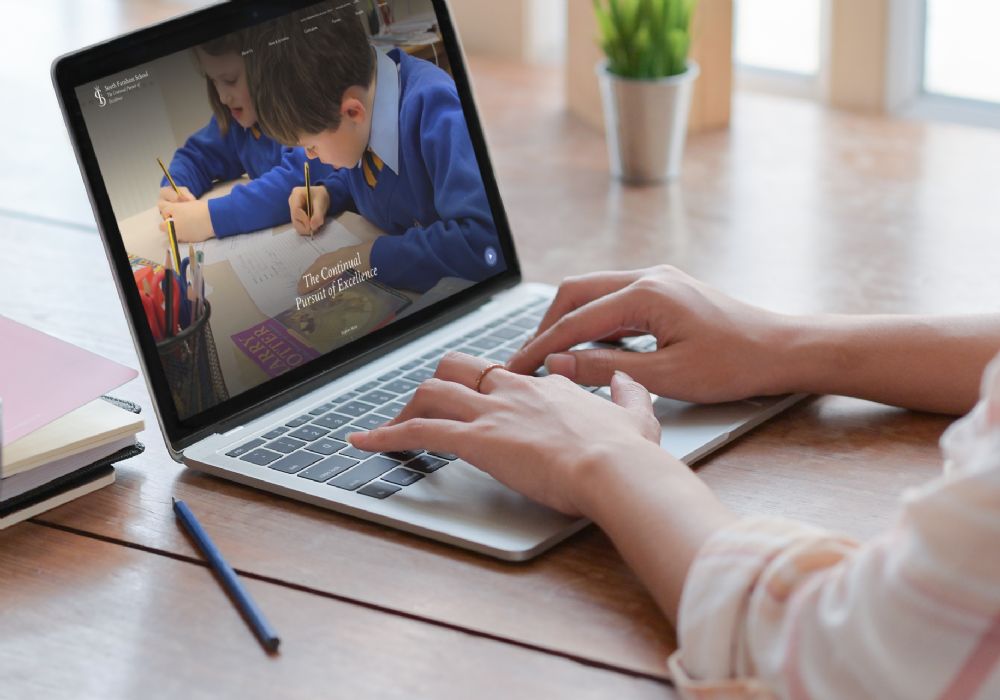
(314, 445)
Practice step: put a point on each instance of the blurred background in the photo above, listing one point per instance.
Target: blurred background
(917, 59)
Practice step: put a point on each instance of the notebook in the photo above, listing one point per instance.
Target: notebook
(71, 376)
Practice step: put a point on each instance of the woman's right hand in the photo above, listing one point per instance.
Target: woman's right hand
(297, 206)
(710, 347)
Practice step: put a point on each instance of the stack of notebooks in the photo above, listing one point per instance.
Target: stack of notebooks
(59, 433)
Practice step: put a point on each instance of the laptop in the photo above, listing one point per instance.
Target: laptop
(263, 348)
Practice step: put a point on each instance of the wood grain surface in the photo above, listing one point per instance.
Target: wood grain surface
(795, 207)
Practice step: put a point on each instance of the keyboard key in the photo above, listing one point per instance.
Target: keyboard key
(487, 343)
(320, 410)
(355, 408)
(400, 386)
(370, 422)
(501, 355)
(403, 477)
(326, 446)
(525, 322)
(260, 456)
(432, 355)
(419, 375)
(506, 332)
(469, 350)
(389, 375)
(296, 422)
(342, 433)
(379, 490)
(285, 445)
(403, 455)
(392, 410)
(297, 461)
(363, 473)
(346, 397)
(367, 386)
(410, 365)
(277, 432)
(444, 455)
(328, 468)
(244, 448)
(378, 397)
(354, 452)
(308, 433)
(332, 420)
(426, 464)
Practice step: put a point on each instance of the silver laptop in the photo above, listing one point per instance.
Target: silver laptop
(263, 348)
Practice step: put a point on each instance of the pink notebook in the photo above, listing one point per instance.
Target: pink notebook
(43, 378)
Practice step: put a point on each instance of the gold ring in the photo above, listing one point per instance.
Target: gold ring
(487, 370)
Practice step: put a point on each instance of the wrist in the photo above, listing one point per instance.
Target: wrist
(609, 471)
(808, 350)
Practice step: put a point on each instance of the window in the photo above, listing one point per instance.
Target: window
(778, 35)
(961, 53)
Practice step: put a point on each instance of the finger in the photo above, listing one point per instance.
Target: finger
(597, 367)
(600, 318)
(434, 434)
(163, 226)
(316, 223)
(300, 220)
(633, 397)
(574, 292)
(466, 370)
(186, 195)
(437, 398)
(167, 194)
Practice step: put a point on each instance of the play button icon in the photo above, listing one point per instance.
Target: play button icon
(491, 256)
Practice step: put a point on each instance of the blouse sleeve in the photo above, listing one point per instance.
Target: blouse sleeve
(776, 609)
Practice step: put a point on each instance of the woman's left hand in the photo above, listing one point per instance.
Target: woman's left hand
(544, 437)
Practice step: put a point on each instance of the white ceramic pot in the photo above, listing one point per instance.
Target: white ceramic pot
(646, 123)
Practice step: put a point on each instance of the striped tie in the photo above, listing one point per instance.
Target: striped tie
(372, 165)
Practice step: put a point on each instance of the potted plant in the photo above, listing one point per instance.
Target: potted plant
(646, 84)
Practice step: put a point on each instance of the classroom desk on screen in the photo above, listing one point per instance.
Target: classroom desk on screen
(795, 207)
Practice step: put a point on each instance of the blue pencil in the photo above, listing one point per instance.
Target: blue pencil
(228, 577)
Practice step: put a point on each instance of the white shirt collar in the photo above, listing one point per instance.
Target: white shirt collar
(384, 138)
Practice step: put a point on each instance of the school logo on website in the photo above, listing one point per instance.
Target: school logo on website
(101, 100)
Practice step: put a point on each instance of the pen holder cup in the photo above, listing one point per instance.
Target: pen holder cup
(191, 364)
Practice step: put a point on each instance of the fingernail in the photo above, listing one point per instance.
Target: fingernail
(563, 363)
(622, 377)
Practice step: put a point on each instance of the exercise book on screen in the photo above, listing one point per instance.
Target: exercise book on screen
(259, 379)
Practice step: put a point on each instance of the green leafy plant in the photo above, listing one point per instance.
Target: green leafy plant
(645, 39)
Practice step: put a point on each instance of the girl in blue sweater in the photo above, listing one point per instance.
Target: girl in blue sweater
(230, 145)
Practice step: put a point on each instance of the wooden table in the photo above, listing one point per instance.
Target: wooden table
(795, 207)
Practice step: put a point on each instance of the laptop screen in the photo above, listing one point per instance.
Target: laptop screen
(288, 189)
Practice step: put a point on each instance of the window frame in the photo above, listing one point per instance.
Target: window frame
(905, 94)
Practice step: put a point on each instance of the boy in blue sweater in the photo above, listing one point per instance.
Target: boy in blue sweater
(393, 127)
(230, 145)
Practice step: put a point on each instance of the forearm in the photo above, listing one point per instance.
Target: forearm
(657, 513)
(917, 362)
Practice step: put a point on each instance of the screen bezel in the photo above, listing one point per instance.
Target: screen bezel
(126, 52)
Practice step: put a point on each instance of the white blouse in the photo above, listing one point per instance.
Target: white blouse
(776, 609)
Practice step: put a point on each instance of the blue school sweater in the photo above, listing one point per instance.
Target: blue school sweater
(435, 208)
(274, 170)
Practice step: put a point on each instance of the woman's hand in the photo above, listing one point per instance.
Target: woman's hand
(544, 437)
(192, 220)
(304, 224)
(710, 348)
